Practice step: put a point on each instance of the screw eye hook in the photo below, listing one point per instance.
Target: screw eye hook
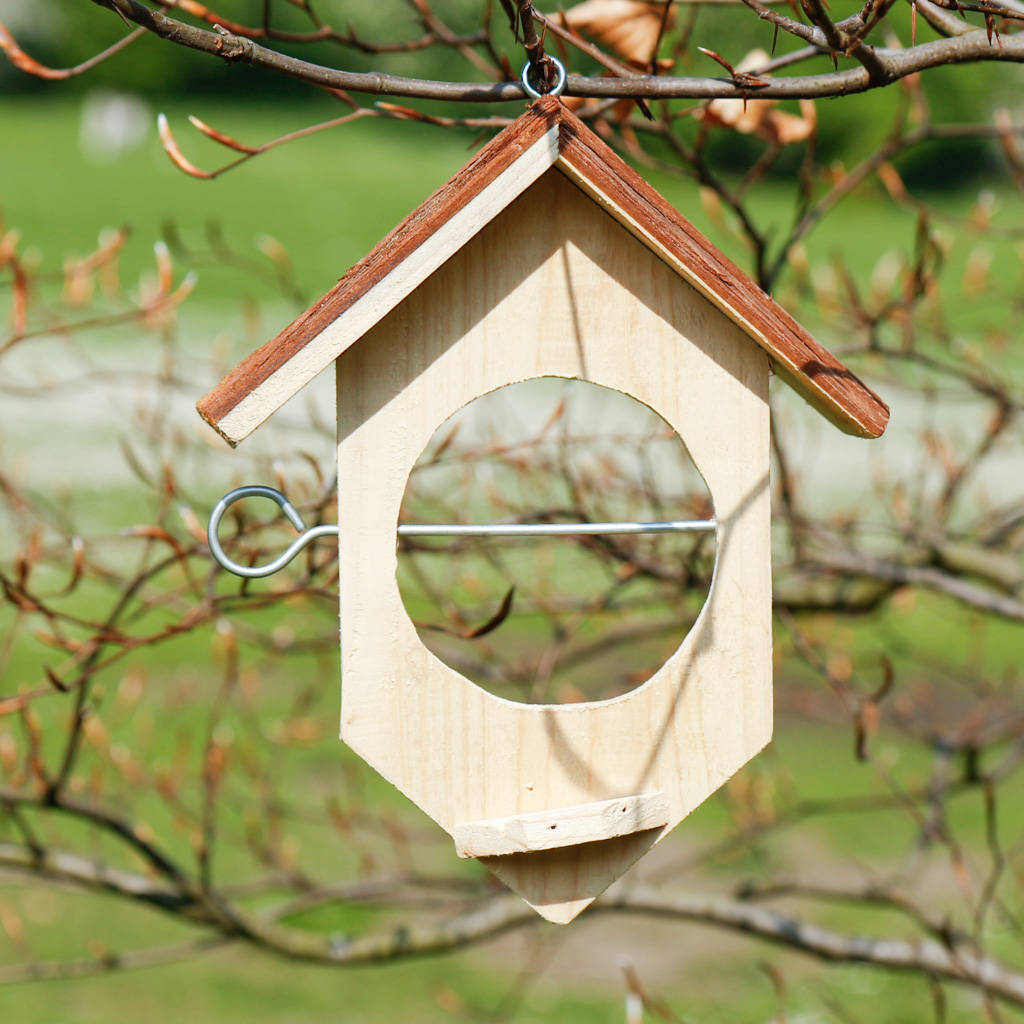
(556, 89)
(305, 537)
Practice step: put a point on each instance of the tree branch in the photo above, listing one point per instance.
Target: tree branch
(924, 957)
(892, 65)
(504, 913)
(968, 593)
(62, 866)
(56, 970)
(103, 818)
(21, 60)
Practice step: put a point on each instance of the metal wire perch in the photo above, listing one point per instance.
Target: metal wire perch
(306, 537)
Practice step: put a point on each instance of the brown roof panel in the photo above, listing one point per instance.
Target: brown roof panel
(809, 368)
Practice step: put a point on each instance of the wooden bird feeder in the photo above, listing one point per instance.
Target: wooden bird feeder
(546, 255)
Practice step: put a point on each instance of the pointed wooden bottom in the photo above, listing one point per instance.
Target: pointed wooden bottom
(560, 884)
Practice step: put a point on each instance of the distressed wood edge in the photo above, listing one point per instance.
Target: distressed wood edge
(817, 375)
(488, 165)
(213, 424)
(562, 826)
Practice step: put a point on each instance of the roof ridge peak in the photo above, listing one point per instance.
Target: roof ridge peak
(547, 135)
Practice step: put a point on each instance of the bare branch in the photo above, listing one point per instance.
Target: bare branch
(927, 576)
(24, 62)
(63, 866)
(891, 66)
(57, 970)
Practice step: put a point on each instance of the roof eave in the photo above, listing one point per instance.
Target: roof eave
(546, 136)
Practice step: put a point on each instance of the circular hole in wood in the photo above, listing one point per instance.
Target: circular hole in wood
(567, 618)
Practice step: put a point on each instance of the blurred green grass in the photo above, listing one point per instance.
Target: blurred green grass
(327, 200)
(330, 197)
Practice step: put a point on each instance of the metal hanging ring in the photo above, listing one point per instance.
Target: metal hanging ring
(259, 491)
(556, 90)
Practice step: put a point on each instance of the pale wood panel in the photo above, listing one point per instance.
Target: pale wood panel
(563, 826)
(553, 286)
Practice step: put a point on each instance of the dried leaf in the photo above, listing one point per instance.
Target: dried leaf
(79, 283)
(789, 128)
(890, 178)
(19, 304)
(8, 753)
(1010, 144)
(628, 28)
(192, 523)
(979, 262)
(23, 62)
(164, 267)
(224, 140)
(54, 680)
(275, 251)
(10, 922)
(757, 117)
(495, 620)
(171, 149)
(96, 732)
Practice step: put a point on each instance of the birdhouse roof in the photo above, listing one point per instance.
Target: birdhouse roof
(546, 137)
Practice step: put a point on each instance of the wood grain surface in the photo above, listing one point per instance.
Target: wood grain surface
(553, 286)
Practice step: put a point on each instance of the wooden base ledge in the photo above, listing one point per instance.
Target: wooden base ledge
(564, 826)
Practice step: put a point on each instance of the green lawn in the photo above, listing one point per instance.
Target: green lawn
(328, 198)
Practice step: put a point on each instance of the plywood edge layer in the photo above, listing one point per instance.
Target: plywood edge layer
(563, 826)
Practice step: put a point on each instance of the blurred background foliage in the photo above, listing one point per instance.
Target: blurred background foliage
(906, 806)
(64, 32)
